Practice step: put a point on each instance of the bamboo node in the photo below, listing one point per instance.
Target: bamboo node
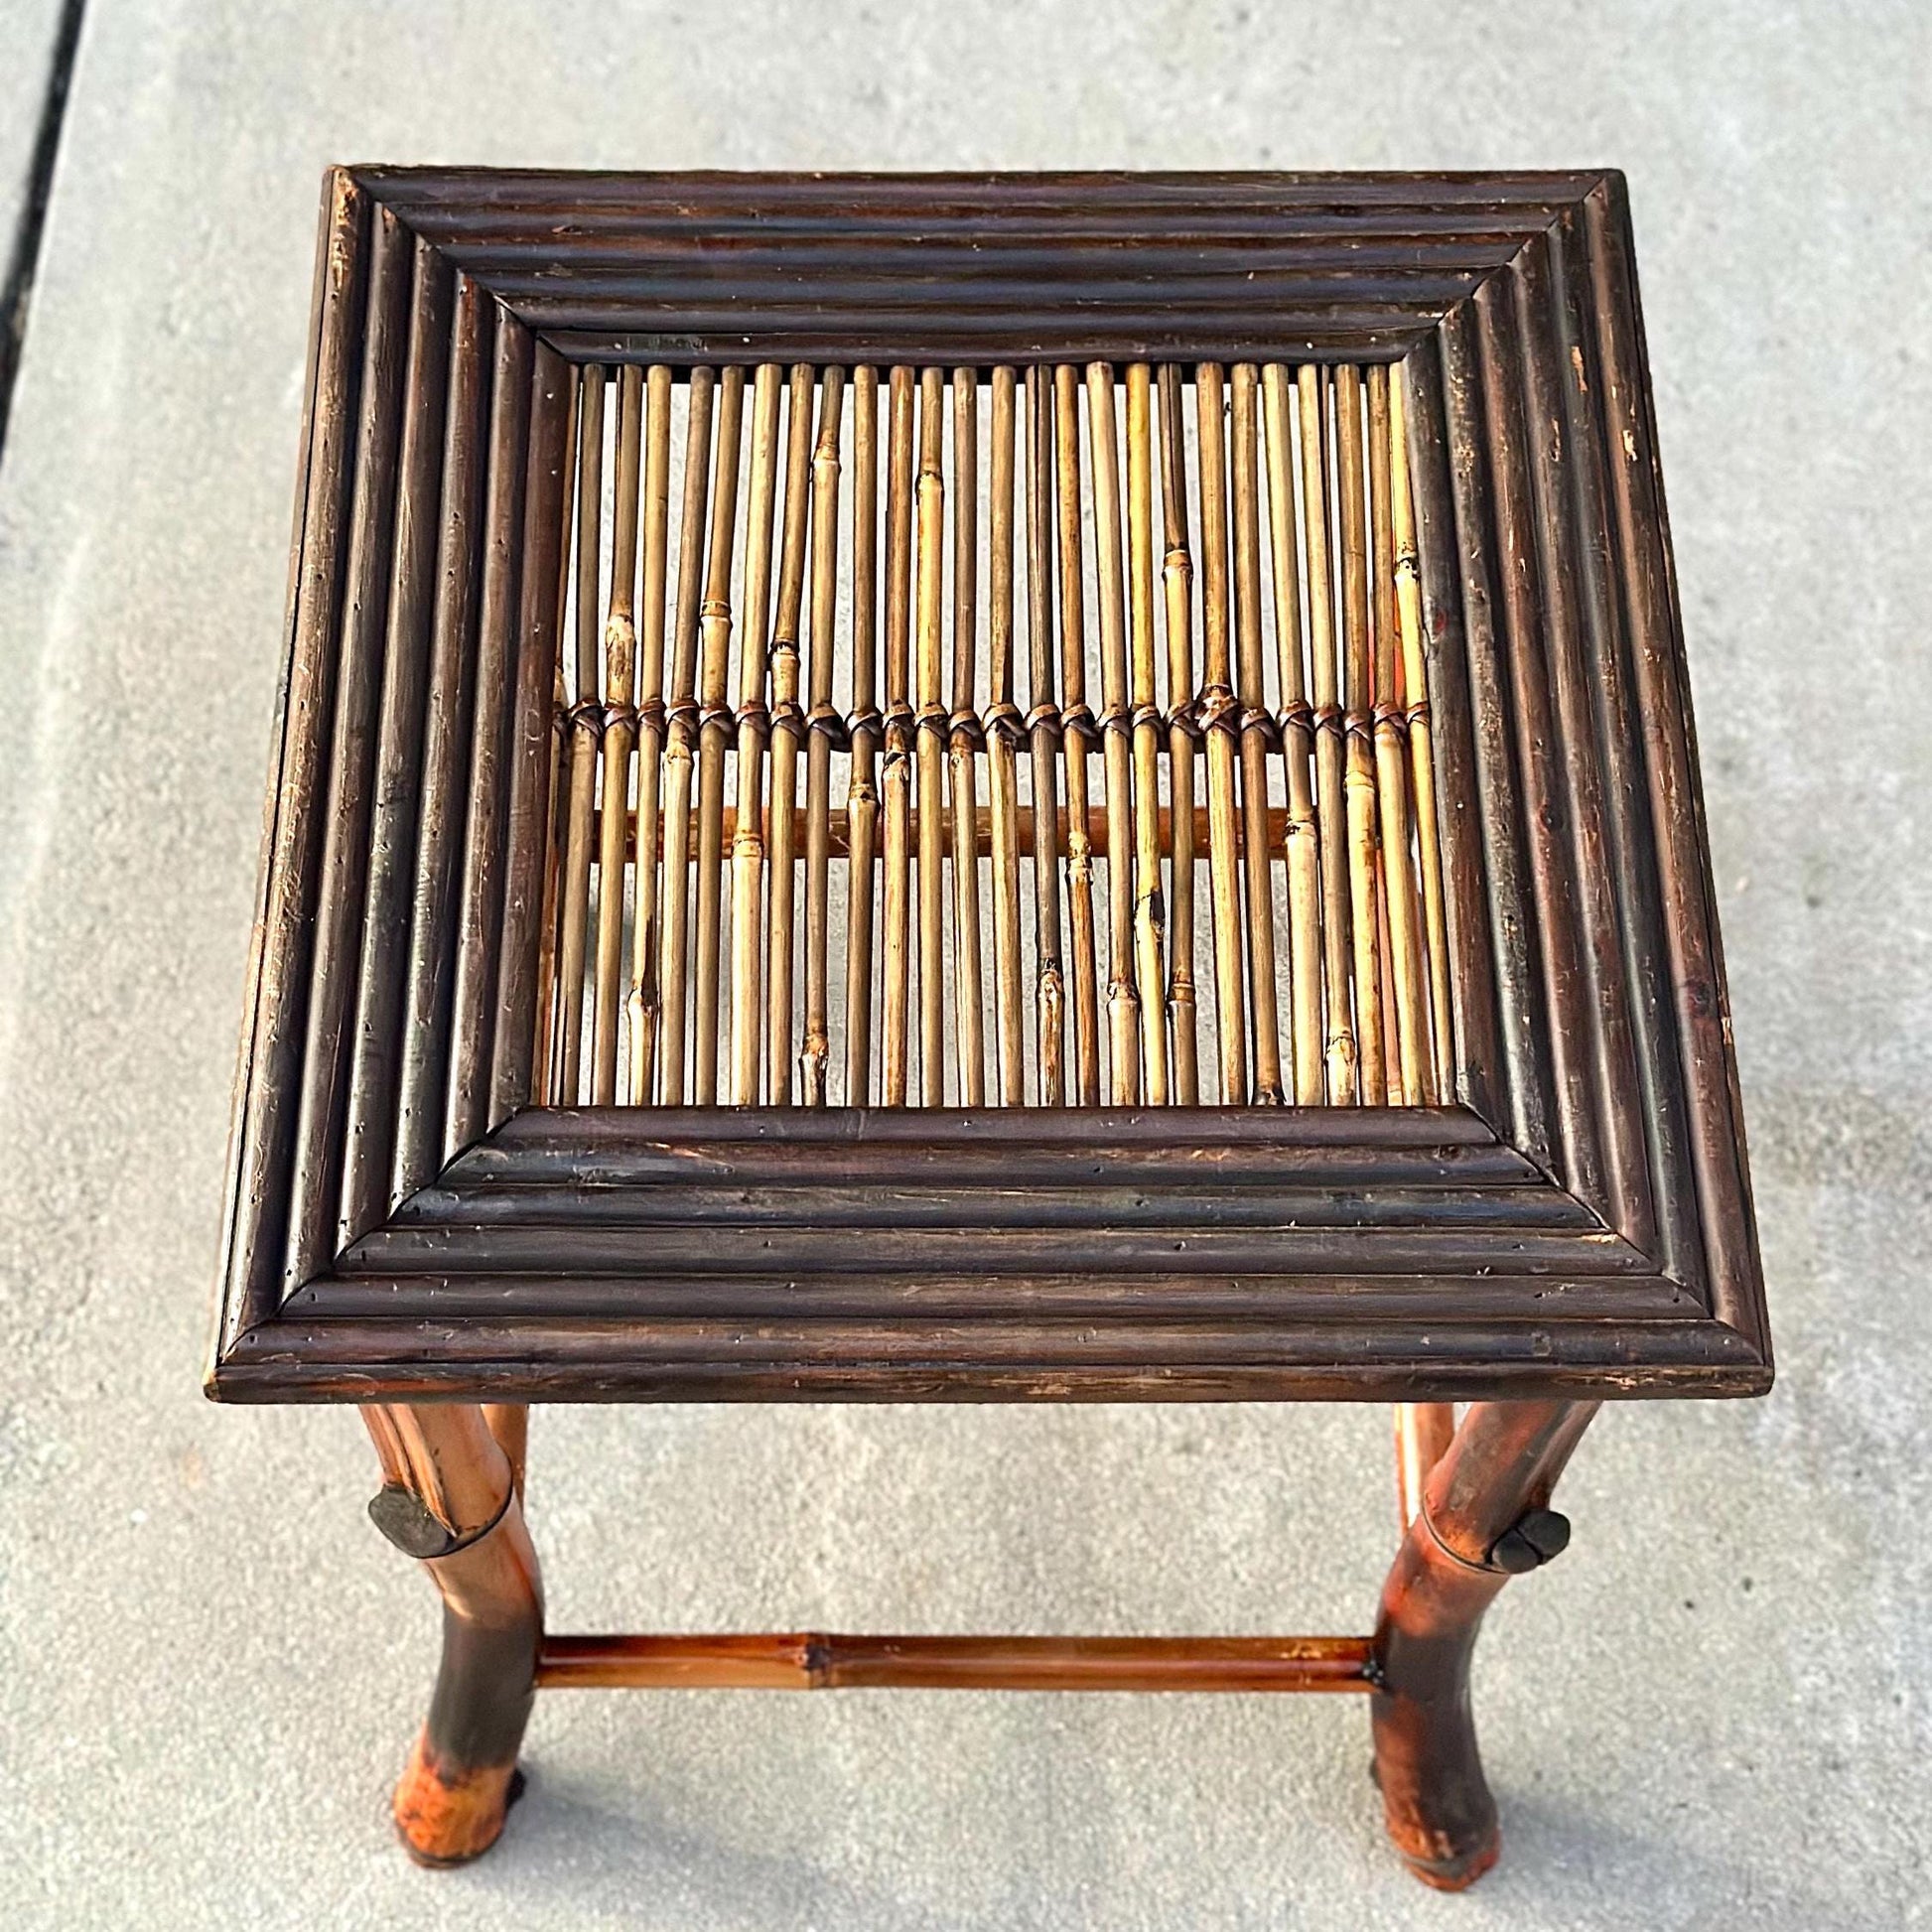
(812, 1061)
(1003, 721)
(1217, 709)
(1262, 725)
(829, 723)
(1046, 717)
(620, 647)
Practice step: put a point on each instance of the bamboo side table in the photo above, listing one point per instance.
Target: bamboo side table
(1012, 789)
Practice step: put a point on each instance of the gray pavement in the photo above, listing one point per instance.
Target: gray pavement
(1716, 1710)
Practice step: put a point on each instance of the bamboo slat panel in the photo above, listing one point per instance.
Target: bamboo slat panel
(819, 839)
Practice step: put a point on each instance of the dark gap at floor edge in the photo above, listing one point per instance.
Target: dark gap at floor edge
(16, 295)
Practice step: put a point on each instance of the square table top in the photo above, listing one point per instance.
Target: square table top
(423, 1204)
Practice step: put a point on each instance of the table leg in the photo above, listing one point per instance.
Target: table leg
(450, 1498)
(1484, 1517)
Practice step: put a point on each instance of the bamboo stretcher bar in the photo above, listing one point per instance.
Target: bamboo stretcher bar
(1028, 828)
(815, 1661)
(926, 848)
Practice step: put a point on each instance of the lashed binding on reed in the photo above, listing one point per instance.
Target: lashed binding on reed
(915, 584)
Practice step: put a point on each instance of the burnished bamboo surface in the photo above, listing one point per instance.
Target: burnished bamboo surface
(962, 773)
(826, 1661)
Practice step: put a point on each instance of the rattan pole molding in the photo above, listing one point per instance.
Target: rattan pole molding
(984, 787)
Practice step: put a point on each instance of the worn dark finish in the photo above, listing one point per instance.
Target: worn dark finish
(408, 1230)
(1588, 1009)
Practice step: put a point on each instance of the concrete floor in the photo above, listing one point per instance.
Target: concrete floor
(1716, 1710)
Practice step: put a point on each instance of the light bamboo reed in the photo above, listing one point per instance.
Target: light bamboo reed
(1415, 716)
(897, 772)
(931, 740)
(1219, 719)
(620, 733)
(1116, 741)
(1358, 672)
(862, 785)
(1256, 730)
(823, 726)
(754, 723)
(1302, 846)
(586, 732)
(715, 733)
(1331, 820)
(681, 743)
(964, 738)
(1077, 726)
(544, 1059)
(1002, 729)
(1150, 918)
(1415, 1069)
(1043, 734)
(643, 1008)
(788, 730)
(1177, 587)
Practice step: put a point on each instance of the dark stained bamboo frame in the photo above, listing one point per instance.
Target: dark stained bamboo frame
(1572, 1221)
